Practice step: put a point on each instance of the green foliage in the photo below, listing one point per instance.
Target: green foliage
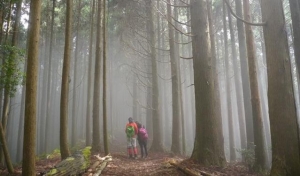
(73, 165)
(248, 155)
(12, 74)
(86, 154)
(55, 153)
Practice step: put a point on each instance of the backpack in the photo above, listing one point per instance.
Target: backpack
(143, 133)
(130, 131)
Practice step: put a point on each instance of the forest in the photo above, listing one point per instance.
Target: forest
(150, 87)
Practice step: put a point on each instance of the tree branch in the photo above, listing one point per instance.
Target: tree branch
(239, 18)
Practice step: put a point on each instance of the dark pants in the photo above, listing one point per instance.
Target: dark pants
(143, 146)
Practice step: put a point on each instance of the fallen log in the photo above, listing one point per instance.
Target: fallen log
(103, 164)
(186, 170)
(73, 165)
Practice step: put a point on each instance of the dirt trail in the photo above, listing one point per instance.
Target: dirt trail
(156, 164)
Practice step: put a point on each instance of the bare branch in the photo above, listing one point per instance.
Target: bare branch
(239, 18)
(186, 57)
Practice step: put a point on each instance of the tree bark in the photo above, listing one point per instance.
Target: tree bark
(9, 165)
(75, 70)
(217, 100)
(206, 150)
(238, 88)
(96, 104)
(245, 77)
(157, 144)
(260, 155)
(89, 88)
(295, 14)
(28, 165)
(65, 84)
(228, 89)
(49, 88)
(175, 147)
(282, 109)
(105, 132)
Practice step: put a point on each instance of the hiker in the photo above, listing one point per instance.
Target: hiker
(142, 139)
(131, 131)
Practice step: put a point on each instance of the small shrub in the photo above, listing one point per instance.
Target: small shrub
(248, 156)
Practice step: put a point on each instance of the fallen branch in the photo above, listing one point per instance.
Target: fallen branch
(102, 166)
(97, 168)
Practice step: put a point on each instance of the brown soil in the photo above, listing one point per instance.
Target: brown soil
(155, 164)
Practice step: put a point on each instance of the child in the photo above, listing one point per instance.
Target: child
(142, 139)
(131, 131)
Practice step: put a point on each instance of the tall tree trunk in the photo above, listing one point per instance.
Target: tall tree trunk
(180, 99)
(1, 22)
(157, 142)
(42, 112)
(245, 76)
(135, 99)
(238, 88)
(8, 22)
(7, 90)
(21, 123)
(105, 133)
(64, 149)
(28, 165)
(9, 165)
(49, 88)
(22, 109)
(89, 88)
(175, 148)
(295, 14)
(260, 156)
(228, 89)
(75, 71)
(96, 104)
(282, 110)
(206, 122)
(217, 100)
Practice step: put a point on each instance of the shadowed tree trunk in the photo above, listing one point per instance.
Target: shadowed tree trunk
(7, 88)
(177, 56)
(245, 77)
(64, 149)
(260, 155)
(75, 71)
(43, 103)
(8, 162)
(96, 104)
(295, 14)
(105, 134)
(89, 88)
(1, 26)
(157, 144)
(175, 147)
(217, 101)
(28, 165)
(238, 88)
(282, 109)
(206, 150)
(228, 89)
(49, 98)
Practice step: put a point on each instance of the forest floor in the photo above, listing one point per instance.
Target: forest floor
(155, 164)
